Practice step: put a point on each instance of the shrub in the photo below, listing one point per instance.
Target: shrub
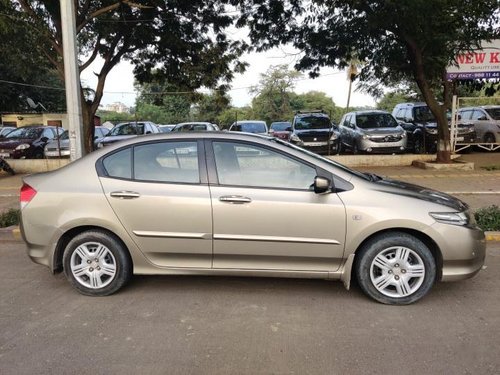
(488, 218)
(9, 217)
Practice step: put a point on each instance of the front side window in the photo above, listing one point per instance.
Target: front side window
(476, 115)
(494, 113)
(167, 162)
(240, 164)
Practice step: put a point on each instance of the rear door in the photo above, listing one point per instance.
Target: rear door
(159, 193)
(266, 217)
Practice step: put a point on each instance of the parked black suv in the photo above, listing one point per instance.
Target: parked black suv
(314, 131)
(421, 127)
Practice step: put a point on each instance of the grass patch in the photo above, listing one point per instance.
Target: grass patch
(9, 217)
(488, 218)
(491, 167)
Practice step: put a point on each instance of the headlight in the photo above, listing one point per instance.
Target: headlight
(365, 136)
(333, 137)
(100, 145)
(295, 138)
(403, 135)
(23, 146)
(431, 131)
(455, 218)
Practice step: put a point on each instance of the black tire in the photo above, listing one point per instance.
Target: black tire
(116, 256)
(341, 148)
(38, 154)
(418, 146)
(419, 256)
(489, 138)
(355, 149)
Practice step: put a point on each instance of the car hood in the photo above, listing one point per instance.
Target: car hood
(383, 131)
(9, 144)
(419, 192)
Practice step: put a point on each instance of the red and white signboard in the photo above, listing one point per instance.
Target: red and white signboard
(477, 64)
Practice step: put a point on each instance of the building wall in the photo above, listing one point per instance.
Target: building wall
(25, 119)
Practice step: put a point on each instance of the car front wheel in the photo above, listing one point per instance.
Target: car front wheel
(96, 263)
(395, 268)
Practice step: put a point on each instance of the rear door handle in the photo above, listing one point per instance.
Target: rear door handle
(125, 194)
(235, 199)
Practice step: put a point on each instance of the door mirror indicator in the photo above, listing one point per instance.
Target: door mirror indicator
(322, 185)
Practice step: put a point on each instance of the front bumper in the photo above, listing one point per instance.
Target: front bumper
(366, 145)
(320, 147)
(55, 154)
(463, 250)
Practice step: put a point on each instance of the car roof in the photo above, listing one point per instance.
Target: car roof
(412, 104)
(195, 123)
(368, 112)
(247, 121)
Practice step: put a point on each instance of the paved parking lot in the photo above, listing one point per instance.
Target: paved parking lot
(219, 325)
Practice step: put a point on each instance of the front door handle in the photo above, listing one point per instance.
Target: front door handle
(235, 199)
(124, 194)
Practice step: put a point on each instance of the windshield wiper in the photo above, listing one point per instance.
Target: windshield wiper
(373, 177)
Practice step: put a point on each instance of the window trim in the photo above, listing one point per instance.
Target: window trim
(213, 178)
(202, 167)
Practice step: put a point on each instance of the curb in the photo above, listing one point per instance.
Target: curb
(13, 234)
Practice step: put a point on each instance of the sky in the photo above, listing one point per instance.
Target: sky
(120, 81)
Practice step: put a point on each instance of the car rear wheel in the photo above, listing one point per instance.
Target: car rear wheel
(96, 263)
(395, 269)
(418, 147)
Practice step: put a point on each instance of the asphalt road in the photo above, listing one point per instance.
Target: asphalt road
(220, 325)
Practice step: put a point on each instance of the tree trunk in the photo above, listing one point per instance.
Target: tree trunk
(438, 110)
(88, 127)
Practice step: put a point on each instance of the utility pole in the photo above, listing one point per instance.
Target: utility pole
(72, 79)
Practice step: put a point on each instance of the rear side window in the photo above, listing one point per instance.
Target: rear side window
(119, 164)
(167, 162)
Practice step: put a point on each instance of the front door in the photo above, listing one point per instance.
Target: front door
(156, 192)
(265, 215)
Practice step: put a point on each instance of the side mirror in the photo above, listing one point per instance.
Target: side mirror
(148, 132)
(321, 185)
(459, 117)
(44, 139)
(482, 118)
(288, 129)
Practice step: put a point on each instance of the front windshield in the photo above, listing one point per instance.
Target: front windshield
(31, 133)
(312, 122)
(494, 113)
(253, 127)
(127, 129)
(319, 157)
(424, 114)
(280, 126)
(375, 120)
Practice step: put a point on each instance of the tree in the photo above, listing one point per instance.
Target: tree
(274, 92)
(230, 115)
(317, 100)
(210, 106)
(30, 69)
(397, 40)
(184, 39)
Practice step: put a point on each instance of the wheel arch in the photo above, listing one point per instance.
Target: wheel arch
(428, 241)
(57, 262)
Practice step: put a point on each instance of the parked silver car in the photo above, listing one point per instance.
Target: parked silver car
(223, 203)
(486, 120)
(372, 131)
(195, 127)
(59, 148)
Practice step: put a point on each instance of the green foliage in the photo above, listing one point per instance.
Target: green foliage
(114, 117)
(230, 115)
(390, 99)
(22, 60)
(209, 107)
(488, 218)
(9, 217)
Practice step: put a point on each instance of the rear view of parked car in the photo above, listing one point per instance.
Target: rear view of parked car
(252, 126)
(486, 122)
(314, 131)
(127, 130)
(28, 141)
(372, 132)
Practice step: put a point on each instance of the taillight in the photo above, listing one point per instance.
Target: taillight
(27, 194)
